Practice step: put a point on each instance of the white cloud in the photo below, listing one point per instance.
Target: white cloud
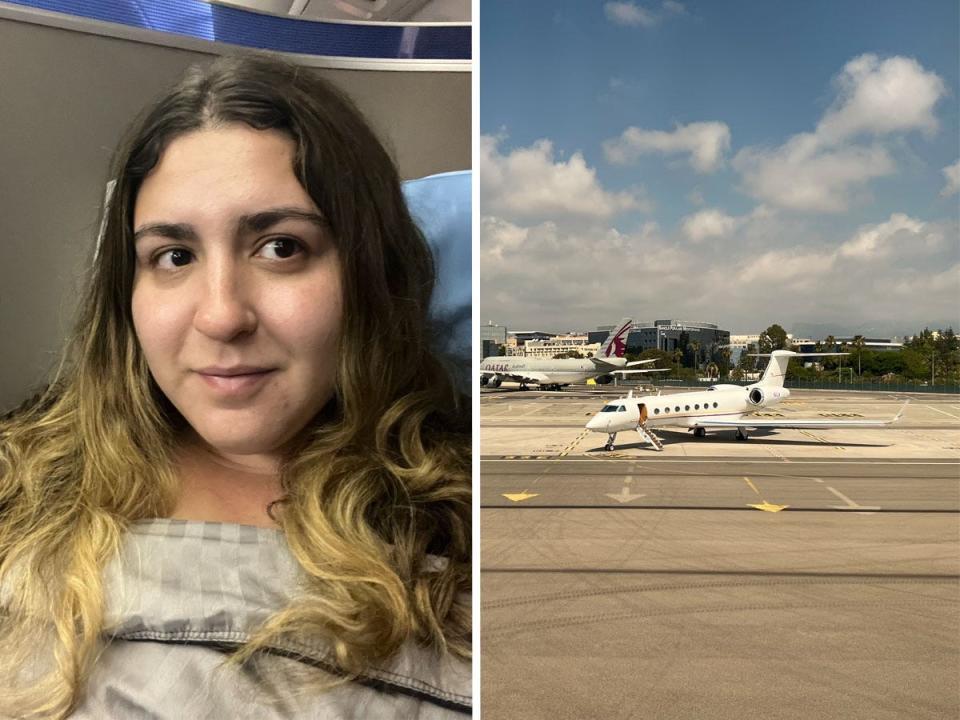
(827, 170)
(675, 7)
(629, 13)
(788, 269)
(707, 224)
(915, 285)
(881, 97)
(801, 176)
(873, 241)
(706, 143)
(952, 175)
(898, 273)
(530, 183)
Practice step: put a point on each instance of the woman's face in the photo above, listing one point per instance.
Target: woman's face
(237, 298)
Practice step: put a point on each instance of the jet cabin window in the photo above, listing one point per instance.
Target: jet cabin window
(656, 411)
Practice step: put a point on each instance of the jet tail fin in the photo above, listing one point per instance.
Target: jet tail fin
(776, 369)
(616, 343)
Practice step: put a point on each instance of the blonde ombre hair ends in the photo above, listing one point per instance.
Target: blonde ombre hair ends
(376, 483)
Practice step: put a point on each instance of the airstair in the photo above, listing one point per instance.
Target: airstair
(648, 435)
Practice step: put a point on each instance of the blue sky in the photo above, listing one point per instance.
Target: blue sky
(738, 162)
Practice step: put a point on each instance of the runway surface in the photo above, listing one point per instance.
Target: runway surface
(784, 577)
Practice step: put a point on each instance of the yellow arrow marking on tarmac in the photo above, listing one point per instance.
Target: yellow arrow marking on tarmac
(517, 497)
(765, 506)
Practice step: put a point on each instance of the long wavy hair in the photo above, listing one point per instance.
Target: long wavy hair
(377, 482)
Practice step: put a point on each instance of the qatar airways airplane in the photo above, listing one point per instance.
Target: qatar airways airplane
(554, 374)
(716, 408)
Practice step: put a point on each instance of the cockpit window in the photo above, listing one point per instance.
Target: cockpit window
(621, 408)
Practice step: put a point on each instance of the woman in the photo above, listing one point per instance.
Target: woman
(246, 493)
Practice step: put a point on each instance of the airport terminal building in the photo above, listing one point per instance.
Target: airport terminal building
(666, 335)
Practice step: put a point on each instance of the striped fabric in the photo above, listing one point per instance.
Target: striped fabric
(185, 593)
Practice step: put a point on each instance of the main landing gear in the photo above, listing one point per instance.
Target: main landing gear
(699, 432)
(610, 438)
(741, 434)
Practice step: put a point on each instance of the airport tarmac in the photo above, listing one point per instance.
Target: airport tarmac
(795, 575)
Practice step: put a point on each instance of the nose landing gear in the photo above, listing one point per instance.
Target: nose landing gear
(610, 438)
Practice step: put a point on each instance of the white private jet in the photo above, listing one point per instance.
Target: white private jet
(717, 407)
(554, 374)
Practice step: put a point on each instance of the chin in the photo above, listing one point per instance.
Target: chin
(241, 443)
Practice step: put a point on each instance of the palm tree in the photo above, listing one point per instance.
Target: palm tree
(858, 343)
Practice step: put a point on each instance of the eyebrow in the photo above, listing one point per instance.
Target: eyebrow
(255, 222)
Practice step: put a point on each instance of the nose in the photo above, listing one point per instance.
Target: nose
(597, 423)
(225, 310)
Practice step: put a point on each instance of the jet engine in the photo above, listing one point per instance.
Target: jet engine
(761, 397)
(483, 380)
(604, 380)
(494, 382)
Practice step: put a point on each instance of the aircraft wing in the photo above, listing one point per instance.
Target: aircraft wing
(537, 377)
(532, 377)
(627, 372)
(799, 423)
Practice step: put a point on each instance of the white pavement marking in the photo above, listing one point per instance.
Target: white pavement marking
(624, 496)
(949, 415)
(850, 504)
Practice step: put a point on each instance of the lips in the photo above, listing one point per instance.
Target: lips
(239, 380)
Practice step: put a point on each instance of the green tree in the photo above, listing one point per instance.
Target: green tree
(858, 344)
(747, 363)
(774, 338)
(663, 358)
(683, 345)
(721, 356)
(829, 346)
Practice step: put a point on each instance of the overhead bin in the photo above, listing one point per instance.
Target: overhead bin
(379, 45)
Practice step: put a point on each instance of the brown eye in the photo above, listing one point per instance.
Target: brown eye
(281, 248)
(174, 258)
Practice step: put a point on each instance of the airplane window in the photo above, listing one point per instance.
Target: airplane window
(714, 404)
(697, 406)
(666, 410)
(609, 408)
(621, 408)
(656, 411)
(686, 407)
(678, 408)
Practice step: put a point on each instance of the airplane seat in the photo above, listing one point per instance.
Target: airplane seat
(441, 206)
